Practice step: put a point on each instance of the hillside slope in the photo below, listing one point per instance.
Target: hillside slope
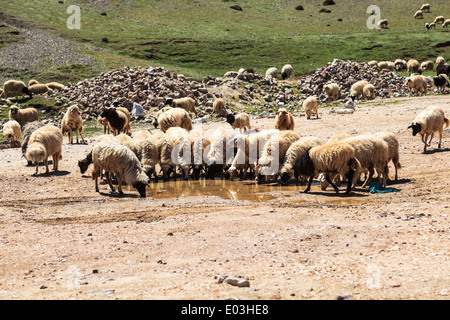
(200, 37)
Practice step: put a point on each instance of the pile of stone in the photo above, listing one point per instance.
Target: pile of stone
(388, 83)
(148, 88)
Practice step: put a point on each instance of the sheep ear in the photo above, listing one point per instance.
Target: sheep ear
(410, 126)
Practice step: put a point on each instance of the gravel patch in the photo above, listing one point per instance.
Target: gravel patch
(39, 47)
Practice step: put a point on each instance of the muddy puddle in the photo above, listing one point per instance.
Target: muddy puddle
(249, 191)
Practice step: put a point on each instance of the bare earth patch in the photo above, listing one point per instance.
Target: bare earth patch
(61, 240)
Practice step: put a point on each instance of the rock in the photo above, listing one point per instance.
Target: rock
(237, 281)
(137, 110)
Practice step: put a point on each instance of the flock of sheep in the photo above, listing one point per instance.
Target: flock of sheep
(425, 8)
(232, 149)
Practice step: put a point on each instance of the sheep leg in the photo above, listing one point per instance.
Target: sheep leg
(46, 166)
(119, 181)
(369, 177)
(431, 138)
(82, 139)
(55, 161)
(309, 184)
(327, 176)
(108, 179)
(349, 175)
(440, 139)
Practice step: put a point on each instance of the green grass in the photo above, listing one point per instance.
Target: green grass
(206, 37)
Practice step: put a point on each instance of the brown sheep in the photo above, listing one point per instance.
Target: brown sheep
(284, 120)
(72, 122)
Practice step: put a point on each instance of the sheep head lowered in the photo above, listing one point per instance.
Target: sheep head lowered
(84, 163)
(140, 187)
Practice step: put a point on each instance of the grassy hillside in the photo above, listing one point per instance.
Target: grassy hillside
(202, 37)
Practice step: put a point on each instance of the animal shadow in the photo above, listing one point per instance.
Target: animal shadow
(436, 151)
(52, 173)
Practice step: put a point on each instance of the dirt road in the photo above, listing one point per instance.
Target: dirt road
(59, 239)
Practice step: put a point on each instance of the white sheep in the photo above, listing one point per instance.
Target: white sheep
(219, 107)
(310, 107)
(425, 7)
(43, 143)
(331, 90)
(220, 153)
(122, 162)
(446, 23)
(165, 146)
(274, 154)
(400, 64)
(146, 149)
(23, 116)
(12, 131)
(417, 84)
(440, 60)
(72, 122)
(393, 150)
(356, 90)
(413, 66)
(32, 81)
(295, 150)
(249, 148)
(239, 121)
(427, 65)
(15, 87)
(186, 103)
(284, 120)
(439, 19)
(286, 71)
(200, 143)
(369, 91)
(427, 122)
(38, 88)
(330, 158)
(418, 14)
(372, 153)
(182, 149)
(383, 24)
(386, 65)
(55, 86)
(271, 73)
(27, 130)
(174, 117)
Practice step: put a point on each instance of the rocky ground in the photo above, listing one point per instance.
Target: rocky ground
(61, 240)
(39, 47)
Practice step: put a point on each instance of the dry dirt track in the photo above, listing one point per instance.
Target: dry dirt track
(61, 240)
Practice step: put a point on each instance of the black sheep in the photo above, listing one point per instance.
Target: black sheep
(440, 82)
(117, 122)
(443, 69)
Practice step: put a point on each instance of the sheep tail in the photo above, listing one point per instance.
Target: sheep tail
(447, 122)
